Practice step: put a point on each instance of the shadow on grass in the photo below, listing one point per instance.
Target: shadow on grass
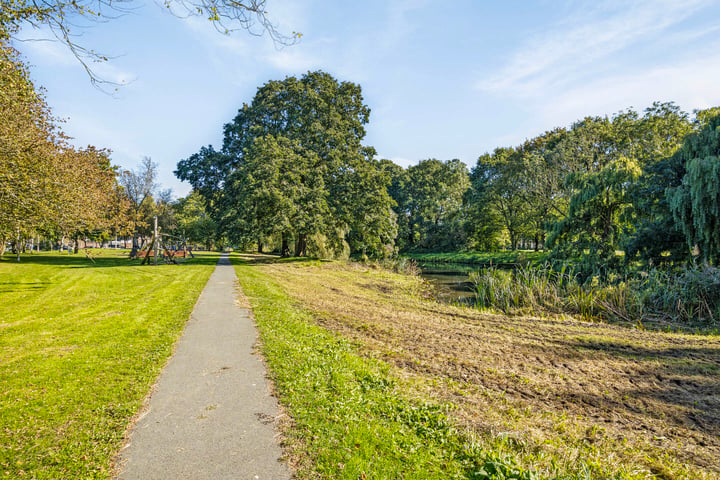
(684, 377)
(6, 287)
(101, 260)
(265, 259)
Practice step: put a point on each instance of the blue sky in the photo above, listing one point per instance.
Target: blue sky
(443, 79)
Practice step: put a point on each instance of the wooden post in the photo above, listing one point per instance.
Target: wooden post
(156, 240)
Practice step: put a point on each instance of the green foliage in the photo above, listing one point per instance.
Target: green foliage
(483, 258)
(46, 185)
(616, 188)
(688, 299)
(691, 296)
(518, 191)
(429, 199)
(293, 165)
(696, 202)
(485, 221)
(594, 224)
(194, 223)
(656, 239)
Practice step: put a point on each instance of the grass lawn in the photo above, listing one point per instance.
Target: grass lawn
(506, 256)
(81, 344)
(383, 382)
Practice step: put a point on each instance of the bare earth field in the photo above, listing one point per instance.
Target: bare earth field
(558, 392)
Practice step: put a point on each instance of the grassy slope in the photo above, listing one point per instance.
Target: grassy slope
(80, 346)
(564, 398)
(351, 417)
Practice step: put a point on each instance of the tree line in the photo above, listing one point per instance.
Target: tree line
(52, 190)
(61, 194)
(293, 172)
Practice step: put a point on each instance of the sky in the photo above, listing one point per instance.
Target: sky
(443, 80)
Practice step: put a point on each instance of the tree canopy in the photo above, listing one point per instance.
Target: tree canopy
(45, 184)
(695, 202)
(293, 166)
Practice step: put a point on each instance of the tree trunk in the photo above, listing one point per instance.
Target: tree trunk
(285, 249)
(301, 245)
(260, 246)
(17, 245)
(77, 244)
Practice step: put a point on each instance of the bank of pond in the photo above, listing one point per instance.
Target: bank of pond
(685, 299)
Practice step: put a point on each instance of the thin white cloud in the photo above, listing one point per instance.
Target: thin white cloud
(238, 49)
(581, 41)
(692, 85)
(232, 43)
(292, 60)
(47, 50)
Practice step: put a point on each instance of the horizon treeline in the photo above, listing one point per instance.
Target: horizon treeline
(293, 172)
(53, 194)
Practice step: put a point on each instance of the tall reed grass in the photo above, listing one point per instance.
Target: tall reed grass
(690, 297)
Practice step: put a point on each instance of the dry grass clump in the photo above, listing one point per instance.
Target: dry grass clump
(560, 394)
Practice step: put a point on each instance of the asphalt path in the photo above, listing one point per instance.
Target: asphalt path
(211, 415)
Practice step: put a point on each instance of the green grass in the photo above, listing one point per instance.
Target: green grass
(81, 344)
(483, 258)
(350, 418)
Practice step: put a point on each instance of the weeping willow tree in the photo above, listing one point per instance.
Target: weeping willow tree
(696, 202)
(595, 222)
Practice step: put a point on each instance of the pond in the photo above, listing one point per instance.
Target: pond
(451, 280)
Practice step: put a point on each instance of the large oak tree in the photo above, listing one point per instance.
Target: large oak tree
(293, 165)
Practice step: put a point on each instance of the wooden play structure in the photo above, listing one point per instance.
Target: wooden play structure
(168, 251)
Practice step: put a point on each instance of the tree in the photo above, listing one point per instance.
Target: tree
(90, 204)
(655, 237)
(617, 186)
(292, 165)
(207, 171)
(139, 186)
(45, 184)
(65, 18)
(193, 222)
(29, 181)
(485, 224)
(695, 202)
(368, 208)
(430, 197)
(276, 190)
(499, 196)
(602, 172)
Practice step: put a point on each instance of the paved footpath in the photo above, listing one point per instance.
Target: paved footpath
(210, 416)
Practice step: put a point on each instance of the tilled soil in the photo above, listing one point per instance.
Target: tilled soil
(635, 398)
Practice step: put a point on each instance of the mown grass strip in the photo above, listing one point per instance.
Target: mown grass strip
(350, 417)
(81, 344)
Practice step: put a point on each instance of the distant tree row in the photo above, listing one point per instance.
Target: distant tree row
(54, 191)
(293, 171)
(645, 185)
(45, 184)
